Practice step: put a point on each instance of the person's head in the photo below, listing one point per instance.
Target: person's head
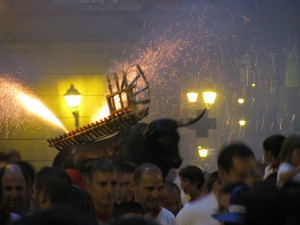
(271, 148)
(126, 191)
(13, 192)
(236, 163)
(148, 180)
(52, 187)
(171, 197)
(191, 180)
(290, 150)
(10, 156)
(103, 183)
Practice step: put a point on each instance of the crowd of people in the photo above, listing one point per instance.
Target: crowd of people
(101, 192)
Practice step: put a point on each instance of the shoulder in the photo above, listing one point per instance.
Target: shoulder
(205, 201)
(166, 217)
(166, 212)
(284, 166)
(198, 210)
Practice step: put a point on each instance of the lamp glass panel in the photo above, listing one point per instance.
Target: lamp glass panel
(241, 100)
(73, 101)
(209, 97)
(192, 96)
(203, 153)
(242, 122)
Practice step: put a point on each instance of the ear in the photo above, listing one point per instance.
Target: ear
(133, 186)
(42, 197)
(222, 174)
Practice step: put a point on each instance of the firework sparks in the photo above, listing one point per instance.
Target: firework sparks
(18, 104)
(214, 44)
(38, 108)
(164, 55)
(171, 56)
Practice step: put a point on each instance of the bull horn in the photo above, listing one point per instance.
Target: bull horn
(183, 123)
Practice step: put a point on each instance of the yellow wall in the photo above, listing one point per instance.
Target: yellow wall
(48, 70)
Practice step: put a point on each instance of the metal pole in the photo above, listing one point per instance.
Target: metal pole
(76, 116)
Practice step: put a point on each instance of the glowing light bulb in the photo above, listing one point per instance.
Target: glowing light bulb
(242, 123)
(241, 101)
(203, 152)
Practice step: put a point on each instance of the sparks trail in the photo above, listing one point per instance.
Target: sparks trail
(163, 55)
(18, 105)
(11, 115)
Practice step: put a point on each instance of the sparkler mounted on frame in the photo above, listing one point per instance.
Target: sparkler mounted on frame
(128, 101)
(133, 92)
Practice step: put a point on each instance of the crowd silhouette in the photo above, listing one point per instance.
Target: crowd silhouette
(98, 191)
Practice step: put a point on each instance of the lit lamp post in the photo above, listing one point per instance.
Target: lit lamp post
(73, 98)
(209, 98)
(192, 97)
(241, 100)
(242, 122)
(203, 152)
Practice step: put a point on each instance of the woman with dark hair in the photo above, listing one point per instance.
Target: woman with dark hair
(289, 169)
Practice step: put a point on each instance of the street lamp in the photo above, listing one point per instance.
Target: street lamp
(192, 96)
(242, 122)
(209, 98)
(203, 152)
(241, 100)
(73, 98)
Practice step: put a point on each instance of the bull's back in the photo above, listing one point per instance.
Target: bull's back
(127, 145)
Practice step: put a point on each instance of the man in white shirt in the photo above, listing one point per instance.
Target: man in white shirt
(236, 163)
(148, 181)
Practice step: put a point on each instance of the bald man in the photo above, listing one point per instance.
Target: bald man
(148, 183)
(13, 184)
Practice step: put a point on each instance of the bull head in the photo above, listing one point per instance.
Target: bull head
(162, 139)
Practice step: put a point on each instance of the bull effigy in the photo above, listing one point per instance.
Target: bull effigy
(121, 136)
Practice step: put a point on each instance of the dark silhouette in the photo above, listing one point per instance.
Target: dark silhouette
(156, 142)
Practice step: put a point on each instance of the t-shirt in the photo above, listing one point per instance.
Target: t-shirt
(283, 168)
(199, 212)
(165, 217)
